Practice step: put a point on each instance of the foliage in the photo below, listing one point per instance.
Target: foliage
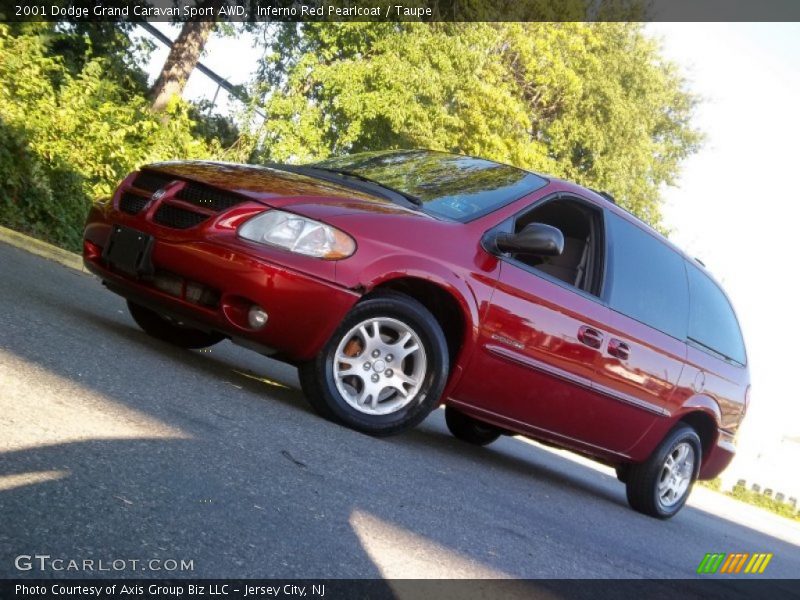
(28, 201)
(591, 102)
(750, 497)
(712, 484)
(212, 126)
(80, 42)
(742, 494)
(70, 137)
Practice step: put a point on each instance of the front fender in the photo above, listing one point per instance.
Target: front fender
(471, 290)
(396, 267)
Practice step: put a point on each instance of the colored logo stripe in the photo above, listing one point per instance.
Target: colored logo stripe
(734, 563)
(710, 563)
(758, 563)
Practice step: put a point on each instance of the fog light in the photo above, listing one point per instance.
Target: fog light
(194, 291)
(257, 317)
(170, 284)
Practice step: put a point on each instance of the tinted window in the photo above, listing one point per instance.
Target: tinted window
(712, 321)
(450, 185)
(648, 279)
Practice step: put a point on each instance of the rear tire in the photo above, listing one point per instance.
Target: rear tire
(470, 430)
(383, 370)
(660, 486)
(171, 331)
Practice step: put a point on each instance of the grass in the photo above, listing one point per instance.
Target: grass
(755, 499)
(714, 484)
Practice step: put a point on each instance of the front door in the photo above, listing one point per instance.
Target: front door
(543, 340)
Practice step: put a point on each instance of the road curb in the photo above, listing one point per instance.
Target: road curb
(43, 249)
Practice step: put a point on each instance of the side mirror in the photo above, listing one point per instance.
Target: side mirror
(535, 238)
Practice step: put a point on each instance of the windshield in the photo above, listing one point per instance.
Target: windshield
(449, 185)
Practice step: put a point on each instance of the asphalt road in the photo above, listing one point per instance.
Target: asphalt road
(116, 446)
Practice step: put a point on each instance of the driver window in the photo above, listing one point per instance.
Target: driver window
(580, 263)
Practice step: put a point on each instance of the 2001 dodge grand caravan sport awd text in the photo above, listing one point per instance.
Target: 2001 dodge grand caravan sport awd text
(398, 280)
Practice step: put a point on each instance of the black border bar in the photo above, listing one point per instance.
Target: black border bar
(707, 588)
(400, 10)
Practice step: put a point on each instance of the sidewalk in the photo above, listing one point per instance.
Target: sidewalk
(40, 248)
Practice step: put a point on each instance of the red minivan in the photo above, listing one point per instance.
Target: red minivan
(399, 280)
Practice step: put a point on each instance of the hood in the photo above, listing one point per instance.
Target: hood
(274, 187)
(256, 182)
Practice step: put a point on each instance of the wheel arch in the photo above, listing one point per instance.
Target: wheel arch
(702, 413)
(445, 304)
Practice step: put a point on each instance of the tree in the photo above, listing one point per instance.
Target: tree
(181, 61)
(591, 102)
(67, 138)
(78, 43)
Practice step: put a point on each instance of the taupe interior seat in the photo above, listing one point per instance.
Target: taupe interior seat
(577, 265)
(566, 266)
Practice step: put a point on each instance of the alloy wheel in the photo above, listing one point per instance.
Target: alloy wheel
(379, 366)
(676, 474)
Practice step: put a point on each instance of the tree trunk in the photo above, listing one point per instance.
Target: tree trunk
(183, 58)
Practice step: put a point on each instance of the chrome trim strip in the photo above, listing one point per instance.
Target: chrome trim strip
(537, 365)
(632, 400)
(583, 382)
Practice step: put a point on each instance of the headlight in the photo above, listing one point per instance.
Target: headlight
(298, 234)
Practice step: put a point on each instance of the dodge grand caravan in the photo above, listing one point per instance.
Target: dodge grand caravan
(399, 280)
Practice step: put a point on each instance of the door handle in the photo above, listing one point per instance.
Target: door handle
(589, 336)
(619, 349)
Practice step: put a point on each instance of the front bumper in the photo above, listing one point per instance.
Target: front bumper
(304, 310)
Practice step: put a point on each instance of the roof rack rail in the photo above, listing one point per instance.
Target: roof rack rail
(608, 197)
(605, 195)
(613, 201)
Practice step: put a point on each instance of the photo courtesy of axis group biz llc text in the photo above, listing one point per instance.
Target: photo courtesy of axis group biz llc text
(176, 589)
(398, 299)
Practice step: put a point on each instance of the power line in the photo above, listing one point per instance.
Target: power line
(233, 90)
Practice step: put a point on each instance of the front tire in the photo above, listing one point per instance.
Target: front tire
(660, 486)
(384, 368)
(469, 430)
(171, 331)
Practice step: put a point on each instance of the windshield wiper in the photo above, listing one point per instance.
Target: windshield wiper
(410, 197)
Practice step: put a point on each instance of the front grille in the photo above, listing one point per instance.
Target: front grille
(177, 218)
(171, 215)
(151, 182)
(132, 203)
(207, 197)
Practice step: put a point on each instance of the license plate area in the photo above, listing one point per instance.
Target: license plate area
(129, 251)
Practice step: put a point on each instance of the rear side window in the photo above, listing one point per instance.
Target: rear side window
(712, 322)
(647, 279)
